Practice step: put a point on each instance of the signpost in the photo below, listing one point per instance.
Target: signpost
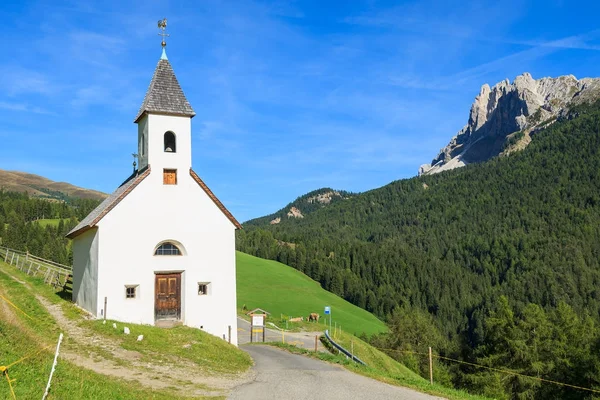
(328, 312)
(258, 320)
(257, 323)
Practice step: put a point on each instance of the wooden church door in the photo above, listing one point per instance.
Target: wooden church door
(167, 303)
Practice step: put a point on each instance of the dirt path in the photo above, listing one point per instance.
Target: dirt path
(89, 350)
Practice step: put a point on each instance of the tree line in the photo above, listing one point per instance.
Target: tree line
(20, 231)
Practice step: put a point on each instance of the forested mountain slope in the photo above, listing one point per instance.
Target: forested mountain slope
(527, 226)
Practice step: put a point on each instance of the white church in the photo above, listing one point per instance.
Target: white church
(161, 249)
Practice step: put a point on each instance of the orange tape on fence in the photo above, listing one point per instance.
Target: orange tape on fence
(4, 368)
(12, 391)
(9, 302)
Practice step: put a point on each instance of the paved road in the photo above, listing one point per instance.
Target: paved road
(299, 339)
(281, 375)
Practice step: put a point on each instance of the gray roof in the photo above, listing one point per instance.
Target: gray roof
(164, 95)
(109, 203)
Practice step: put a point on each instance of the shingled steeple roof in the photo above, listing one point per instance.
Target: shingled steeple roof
(164, 95)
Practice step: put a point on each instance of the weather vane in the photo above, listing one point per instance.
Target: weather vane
(162, 25)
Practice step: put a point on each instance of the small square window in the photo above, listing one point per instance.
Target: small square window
(203, 288)
(131, 291)
(170, 177)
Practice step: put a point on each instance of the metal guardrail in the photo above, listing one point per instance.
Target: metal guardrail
(343, 350)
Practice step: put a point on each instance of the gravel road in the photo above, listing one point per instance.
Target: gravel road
(282, 375)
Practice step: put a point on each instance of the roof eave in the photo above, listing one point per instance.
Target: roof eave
(80, 231)
(146, 112)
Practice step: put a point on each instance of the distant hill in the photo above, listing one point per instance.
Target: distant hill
(38, 186)
(303, 206)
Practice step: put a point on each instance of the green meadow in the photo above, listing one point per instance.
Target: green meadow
(282, 290)
(49, 221)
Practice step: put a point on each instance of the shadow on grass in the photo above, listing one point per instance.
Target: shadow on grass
(65, 295)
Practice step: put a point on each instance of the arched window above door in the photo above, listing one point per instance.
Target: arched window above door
(168, 249)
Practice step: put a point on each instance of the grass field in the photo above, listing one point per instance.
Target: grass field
(49, 221)
(280, 289)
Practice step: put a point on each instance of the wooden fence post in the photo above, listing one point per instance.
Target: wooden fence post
(105, 299)
(430, 367)
(316, 343)
(229, 328)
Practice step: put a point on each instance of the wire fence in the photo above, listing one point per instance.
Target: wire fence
(494, 369)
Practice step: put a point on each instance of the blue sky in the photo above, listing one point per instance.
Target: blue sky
(290, 96)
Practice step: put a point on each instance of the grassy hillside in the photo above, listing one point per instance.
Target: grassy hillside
(280, 289)
(373, 357)
(164, 354)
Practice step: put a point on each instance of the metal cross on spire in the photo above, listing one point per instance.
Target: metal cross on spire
(162, 25)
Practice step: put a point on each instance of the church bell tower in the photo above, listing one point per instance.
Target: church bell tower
(164, 120)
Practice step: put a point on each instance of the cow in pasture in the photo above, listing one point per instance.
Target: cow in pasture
(313, 317)
(297, 319)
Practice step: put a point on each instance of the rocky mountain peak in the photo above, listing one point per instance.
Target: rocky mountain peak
(507, 108)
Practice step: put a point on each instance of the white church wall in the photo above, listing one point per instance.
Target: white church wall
(85, 271)
(153, 213)
(181, 159)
